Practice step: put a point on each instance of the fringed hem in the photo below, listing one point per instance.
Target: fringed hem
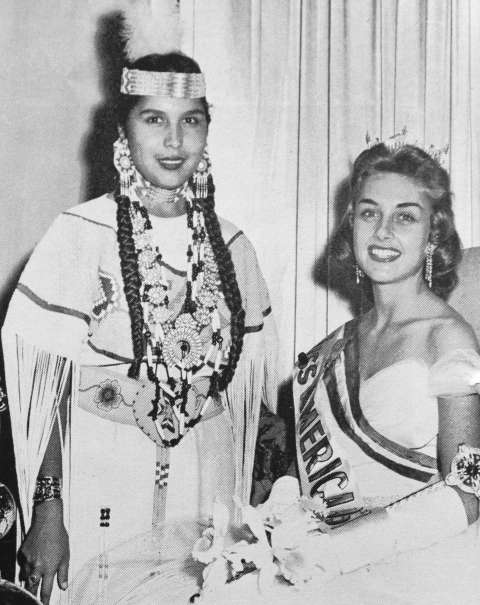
(271, 379)
(243, 401)
(37, 382)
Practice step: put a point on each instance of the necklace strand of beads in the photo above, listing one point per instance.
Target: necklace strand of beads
(173, 341)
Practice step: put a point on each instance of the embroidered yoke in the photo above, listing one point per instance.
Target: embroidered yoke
(68, 335)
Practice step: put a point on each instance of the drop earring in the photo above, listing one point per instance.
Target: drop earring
(359, 274)
(123, 163)
(200, 176)
(429, 263)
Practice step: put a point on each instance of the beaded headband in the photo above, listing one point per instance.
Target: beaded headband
(162, 84)
(398, 140)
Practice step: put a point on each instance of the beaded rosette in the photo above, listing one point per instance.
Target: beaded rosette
(465, 470)
(175, 347)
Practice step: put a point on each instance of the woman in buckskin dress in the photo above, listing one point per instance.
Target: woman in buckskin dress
(138, 344)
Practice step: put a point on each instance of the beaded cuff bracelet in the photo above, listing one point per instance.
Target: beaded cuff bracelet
(47, 488)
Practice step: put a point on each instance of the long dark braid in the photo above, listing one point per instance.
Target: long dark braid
(230, 289)
(131, 280)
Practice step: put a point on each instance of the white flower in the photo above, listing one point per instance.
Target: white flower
(298, 550)
(259, 553)
(302, 554)
(210, 546)
(283, 503)
(215, 575)
(204, 549)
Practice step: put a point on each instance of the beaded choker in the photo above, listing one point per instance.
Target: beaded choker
(157, 198)
(175, 348)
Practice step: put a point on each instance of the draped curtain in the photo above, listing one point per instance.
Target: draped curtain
(295, 86)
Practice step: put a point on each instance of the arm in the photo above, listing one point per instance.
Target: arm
(459, 422)
(438, 511)
(421, 519)
(44, 553)
(46, 324)
(459, 414)
(425, 517)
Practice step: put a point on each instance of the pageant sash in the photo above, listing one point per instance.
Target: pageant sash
(328, 384)
(323, 468)
(342, 382)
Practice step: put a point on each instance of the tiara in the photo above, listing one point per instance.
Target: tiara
(162, 84)
(400, 139)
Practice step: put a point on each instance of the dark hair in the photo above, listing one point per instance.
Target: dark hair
(230, 289)
(175, 62)
(131, 280)
(128, 255)
(413, 162)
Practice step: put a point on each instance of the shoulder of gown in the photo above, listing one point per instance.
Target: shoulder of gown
(455, 373)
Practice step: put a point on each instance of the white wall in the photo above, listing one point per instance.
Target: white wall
(50, 86)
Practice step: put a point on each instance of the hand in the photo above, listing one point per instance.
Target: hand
(45, 551)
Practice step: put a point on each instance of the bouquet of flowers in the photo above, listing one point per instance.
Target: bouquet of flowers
(282, 540)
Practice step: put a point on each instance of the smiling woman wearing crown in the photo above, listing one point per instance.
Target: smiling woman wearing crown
(136, 342)
(387, 417)
(387, 406)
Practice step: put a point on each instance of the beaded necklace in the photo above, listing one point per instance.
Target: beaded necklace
(173, 341)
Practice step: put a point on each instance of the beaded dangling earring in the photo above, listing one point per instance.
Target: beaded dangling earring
(358, 274)
(200, 176)
(429, 263)
(123, 163)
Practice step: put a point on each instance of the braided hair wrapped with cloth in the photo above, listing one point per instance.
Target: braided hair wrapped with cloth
(139, 343)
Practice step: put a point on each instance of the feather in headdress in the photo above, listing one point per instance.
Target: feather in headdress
(150, 26)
